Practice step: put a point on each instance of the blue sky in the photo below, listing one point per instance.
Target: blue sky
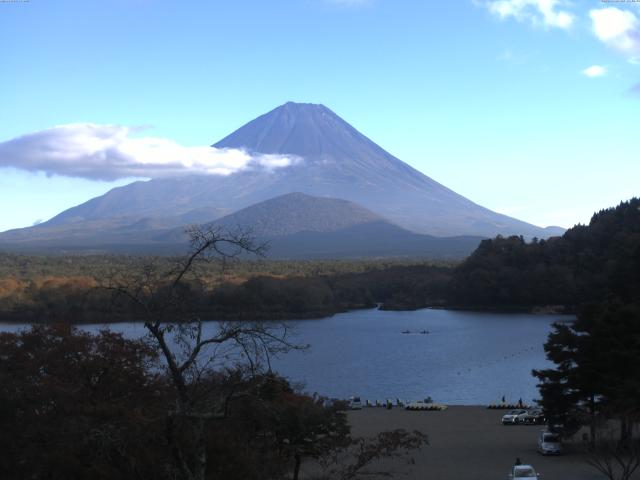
(528, 107)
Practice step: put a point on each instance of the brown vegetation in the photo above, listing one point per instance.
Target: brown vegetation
(45, 289)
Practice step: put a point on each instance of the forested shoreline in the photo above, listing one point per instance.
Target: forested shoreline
(589, 263)
(316, 289)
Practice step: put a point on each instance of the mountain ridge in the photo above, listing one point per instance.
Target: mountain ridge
(296, 225)
(337, 162)
(297, 212)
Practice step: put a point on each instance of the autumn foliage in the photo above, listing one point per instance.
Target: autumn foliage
(76, 405)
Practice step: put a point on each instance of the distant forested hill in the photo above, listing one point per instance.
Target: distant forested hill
(596, 262)
(300, 226)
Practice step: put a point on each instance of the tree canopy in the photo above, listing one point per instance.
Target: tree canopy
(597, 262)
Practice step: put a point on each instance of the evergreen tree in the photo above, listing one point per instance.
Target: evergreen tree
(596, 375)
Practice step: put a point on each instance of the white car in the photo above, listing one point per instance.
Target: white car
(355, 403)
(549, 443)
(523, 472)
(511, 418)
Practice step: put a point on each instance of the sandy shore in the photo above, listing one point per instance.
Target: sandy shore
(468, 443)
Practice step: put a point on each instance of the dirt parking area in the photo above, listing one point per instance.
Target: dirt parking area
(468, 443)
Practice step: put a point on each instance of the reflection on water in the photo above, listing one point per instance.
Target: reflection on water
(461, 358)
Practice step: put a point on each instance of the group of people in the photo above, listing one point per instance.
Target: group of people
(520, 404)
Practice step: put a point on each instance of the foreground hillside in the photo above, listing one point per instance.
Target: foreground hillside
(589, 263)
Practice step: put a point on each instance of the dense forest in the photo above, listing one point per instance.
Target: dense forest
(588, 263)
(75, 289)
(594, 384)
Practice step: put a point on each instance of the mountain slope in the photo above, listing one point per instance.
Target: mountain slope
(296, 225)
(372, 239)
(337, 162)
(296, 212)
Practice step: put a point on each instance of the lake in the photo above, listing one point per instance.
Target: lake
(466, 358)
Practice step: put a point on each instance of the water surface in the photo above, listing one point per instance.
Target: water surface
(466, 358)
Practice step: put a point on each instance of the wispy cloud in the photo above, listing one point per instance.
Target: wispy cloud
(547, 13)
(510, 56)
(618, 29)
(110, 152)
(349, 3)
(594, 71)
(517, 57)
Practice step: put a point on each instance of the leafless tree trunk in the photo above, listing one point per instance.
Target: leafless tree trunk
(352, 461)
(189, 351)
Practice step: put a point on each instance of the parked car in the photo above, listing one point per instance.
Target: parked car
(549, 443)
(523, 472)
(511, 418)
(532, 417)
(355, 403)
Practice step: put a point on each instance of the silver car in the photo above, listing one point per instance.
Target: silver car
(511, 418)
(549, 443)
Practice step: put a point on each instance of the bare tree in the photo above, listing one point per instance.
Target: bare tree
(192, 350)
(616, 457)
(351, 461)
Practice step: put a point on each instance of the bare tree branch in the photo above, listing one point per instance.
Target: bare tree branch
(159, 299)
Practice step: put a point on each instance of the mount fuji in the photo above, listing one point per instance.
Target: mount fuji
(335, 161)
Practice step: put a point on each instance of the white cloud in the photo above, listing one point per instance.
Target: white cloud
(110, 152)
(538, 12)
(594, 71)
(618, 29)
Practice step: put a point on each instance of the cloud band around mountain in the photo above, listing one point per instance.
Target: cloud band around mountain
(110, 152)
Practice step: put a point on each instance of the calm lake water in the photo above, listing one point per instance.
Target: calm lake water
(467, 358)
